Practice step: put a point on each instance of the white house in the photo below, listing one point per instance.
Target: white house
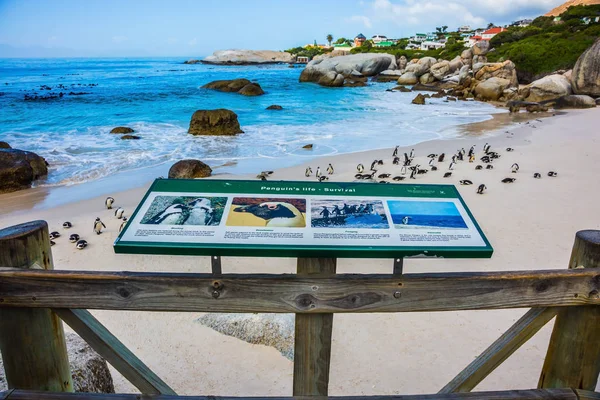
(490, 33)
(379, 38)
(419, 38)
(464, 28)
(432, 46)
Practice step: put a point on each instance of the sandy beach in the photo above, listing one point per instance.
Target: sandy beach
(531, 224)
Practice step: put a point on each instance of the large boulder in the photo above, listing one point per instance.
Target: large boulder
(274, 107)
(4, 145)
(504, 70)
(426, 79)
(422, 66)
(89, 370)
(367, 64)
(547, 88)
(408, 78)
(389, 75)
(241, 86)
(121, 130)
(246, 57)
(214, 122)
(575, 101)
(331, 79)
(420, 99)
(189, 169)
(481, 48)
(586, 73)
(491, 89)
(440, 70)
(455, 65)
(18, 169)
(402, 61)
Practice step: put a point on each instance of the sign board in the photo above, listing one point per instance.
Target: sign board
(302, 219)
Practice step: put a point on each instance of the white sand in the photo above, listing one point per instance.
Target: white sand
(531, 225)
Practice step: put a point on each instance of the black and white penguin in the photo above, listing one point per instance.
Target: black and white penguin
(412, 154)
(509, 149)
(462, 151)
(413, 174)
(471, 151)
(123, 224)
(537, 175)
(323, 178)
(98, 225)
(52, 243)
(81, 244)
(553, 174)
(460, 156)
(396, 161)
(453, 158)
(67, 225)
(432, 155)
(403, 170)
(399, 178)
(54, 235)
(481, 189)
(477, 168)
(486, 148)
(395, 153)
(276, 214)
(384, 176)
(109, 202)
(201, 212)
(73, 238)
(360, 168)
(119, 212)
(508, 180)
(489, 166)
(267, 173)
(434, 168)
(373, 164)
(432, 162)
(441, 157)
(175, 214)
(514, 168)
(379, 162)
(447, 174)
(330, 169)
(451, 166)
(383, 182)
(465, 182)
(308, 172)
(318, 173)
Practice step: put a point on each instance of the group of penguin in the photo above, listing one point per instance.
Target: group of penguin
(318, 174)
(81, 244)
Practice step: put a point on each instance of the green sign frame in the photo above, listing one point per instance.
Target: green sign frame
(128, 243)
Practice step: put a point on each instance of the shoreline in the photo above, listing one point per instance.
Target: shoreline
(46, 197)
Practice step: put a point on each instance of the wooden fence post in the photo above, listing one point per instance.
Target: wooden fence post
(32, 340)
(573, 358)
(312, 343)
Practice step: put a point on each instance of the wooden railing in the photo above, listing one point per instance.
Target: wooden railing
(33, 297)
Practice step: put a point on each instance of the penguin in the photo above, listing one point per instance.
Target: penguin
(553, 174)
(67, 225)
(454, 158)
(509, 149)
(406, 159)
(98, 225)
(413, 174)
(318, 173)
(323, 178)
(360, 168)
(447, 174)
(451, 166)
(486, 159)
(201, 212)
(267, 173)
(481, 188)
(276, 214)
(383, 182)
(358, 176)
(123, 224)
(514, 168)
(460, 156)
(52, 243)
(508, 180)
(308, 172)
(405, 220)
(537, 175)
(462, 151)
(399, 178)
(54, 235)
(175, 214)
(395, 153)
(471, 151)
(441, 157)
(434, 168)
(119, 212)
(465, 182)
(373, 164)
(330, 169)
(379, 162)
(261, 177)
(486, 148)
(477, 168)
(471, 158)
(109, 202)
(432, 155)
(73, 238)
(81, 244)
(489, 166)
(396, 161)
(384, 176)
(403, 170)
(412, 154)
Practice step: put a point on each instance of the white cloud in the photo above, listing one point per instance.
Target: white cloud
(119, 39)
(366, 21)
(193, 42)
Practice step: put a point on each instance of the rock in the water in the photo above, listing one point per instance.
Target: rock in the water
(246, 57)
(389, 75)
(331, 79)
(89, 370)
(548, 88)
(491, 89)
(481, 48)
(426, 79)
(408, 78)
(402, 89)
(575, 101)
(214, 122)
(121, 130)
(504, 70)
(426, 88)
(367, 64)
(241, 86)
(586, 74)
(275, 330)
(440, 70)
(18, 169)
(422, 66)
(130, 137)
(274, 107)
(4, 145)
(307, 146)
(420, 99)
(455, 65)
(189, 169)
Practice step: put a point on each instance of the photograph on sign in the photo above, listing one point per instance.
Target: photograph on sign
(348, 213)
(425, 215)
(269, 212)
(185, 210)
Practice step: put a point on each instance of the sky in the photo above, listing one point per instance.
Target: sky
(195, 28)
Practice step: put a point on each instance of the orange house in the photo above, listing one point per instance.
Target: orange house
(359, 40)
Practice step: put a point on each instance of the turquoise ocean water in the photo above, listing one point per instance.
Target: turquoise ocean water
(157, 97)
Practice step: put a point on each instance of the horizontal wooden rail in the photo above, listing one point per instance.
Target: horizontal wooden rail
(298, 294)
(550, 394)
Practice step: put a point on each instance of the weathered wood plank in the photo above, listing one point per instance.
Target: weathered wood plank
(32, 341)
(573, 358)
(510, 341)
(115, 352)
(298, 294)
(4, 395)
(548, 394)
(587, 395)
(312, 343)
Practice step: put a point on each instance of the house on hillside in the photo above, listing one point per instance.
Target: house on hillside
(464, 28)
(359, 40)
(342, 47)
(432, 45)
(472, 40)
(590, 20)
(302, 60)
(419, 38)
(387, 43)
(379, 38)
(522, 23)
(490, 33)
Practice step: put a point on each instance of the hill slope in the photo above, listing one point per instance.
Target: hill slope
(562, 8)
